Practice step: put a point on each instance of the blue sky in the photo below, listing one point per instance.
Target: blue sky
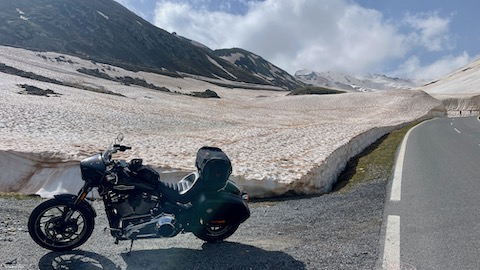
(423, 39)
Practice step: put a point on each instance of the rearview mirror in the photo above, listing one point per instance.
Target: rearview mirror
(120, 137)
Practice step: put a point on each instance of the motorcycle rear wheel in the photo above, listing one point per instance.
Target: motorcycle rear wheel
(215, 233)
(47, 228)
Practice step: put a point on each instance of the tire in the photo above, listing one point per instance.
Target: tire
(215, 233)
(46, 228)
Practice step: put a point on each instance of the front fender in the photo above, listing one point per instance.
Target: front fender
(69, 199)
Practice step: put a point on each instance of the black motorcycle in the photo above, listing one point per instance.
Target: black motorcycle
(139, 205)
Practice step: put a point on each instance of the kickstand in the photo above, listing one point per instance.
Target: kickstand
(131, 246)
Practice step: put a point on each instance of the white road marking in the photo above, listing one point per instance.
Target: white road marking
(458, 131)
(396, 192)
(391, 252)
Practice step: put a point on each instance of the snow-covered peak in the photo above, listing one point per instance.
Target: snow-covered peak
(342, 81)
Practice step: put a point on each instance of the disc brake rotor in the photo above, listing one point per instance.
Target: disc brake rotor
(56, 229)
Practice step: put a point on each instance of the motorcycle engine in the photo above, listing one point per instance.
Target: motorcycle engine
(132, 203)
(137, 208)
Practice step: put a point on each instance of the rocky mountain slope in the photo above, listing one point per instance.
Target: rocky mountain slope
(259, 67)
(104, 31)
(367, 83)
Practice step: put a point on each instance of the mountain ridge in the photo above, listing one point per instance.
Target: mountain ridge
(350, 83)
(259, 67)
(105, 31)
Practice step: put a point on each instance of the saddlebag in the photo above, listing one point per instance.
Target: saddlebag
(214, 167)
(222, 208)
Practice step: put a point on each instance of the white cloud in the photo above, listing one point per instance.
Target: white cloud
(318, 35)
(322, 35)
(198, 24)
(412, 67)
(431, 31)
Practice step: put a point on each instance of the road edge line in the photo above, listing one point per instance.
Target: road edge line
(391, 252)
(396, 188)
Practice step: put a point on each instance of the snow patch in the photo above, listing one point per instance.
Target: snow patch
(220, 66)
(367, 83)
(459, 91)
(233, 57)
(103, 15)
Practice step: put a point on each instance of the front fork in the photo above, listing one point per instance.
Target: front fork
(82, 194)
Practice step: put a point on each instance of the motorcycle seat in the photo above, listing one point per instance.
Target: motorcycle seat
(180, 191)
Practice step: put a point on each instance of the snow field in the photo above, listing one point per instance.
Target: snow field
(277, 143)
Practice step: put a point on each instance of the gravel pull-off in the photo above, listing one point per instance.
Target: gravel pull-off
(340, 230)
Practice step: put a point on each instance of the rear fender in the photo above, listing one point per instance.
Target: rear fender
(69, 199)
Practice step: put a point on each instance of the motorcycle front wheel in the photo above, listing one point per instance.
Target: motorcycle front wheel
(215, 233)
(47, 227)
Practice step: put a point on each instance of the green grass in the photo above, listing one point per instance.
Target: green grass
(314, 90)
(375, 162)
(17, 196)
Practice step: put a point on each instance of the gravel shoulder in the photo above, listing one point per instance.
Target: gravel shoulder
(340, 230)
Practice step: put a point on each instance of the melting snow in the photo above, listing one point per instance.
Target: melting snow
(277, 143)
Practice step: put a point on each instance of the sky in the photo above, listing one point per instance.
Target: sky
(416, 39)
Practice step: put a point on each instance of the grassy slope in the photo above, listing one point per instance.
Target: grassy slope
(376, 162)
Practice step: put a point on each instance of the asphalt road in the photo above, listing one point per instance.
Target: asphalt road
(435, 223)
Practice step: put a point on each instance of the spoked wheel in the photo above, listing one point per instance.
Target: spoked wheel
(48, 228)
(215, 233)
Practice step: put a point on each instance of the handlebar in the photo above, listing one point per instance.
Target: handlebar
(121, 148)
(107, 154)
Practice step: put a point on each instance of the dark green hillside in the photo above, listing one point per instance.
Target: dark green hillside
(314, 90)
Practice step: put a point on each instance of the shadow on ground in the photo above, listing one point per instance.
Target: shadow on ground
(225, 255)
(75, 259)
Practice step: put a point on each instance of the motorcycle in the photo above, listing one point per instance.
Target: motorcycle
(139, 205)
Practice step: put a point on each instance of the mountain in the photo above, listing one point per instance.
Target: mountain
(259, 67)
(105, 31)
(255, 65)
(368, 83)
(465, 80)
